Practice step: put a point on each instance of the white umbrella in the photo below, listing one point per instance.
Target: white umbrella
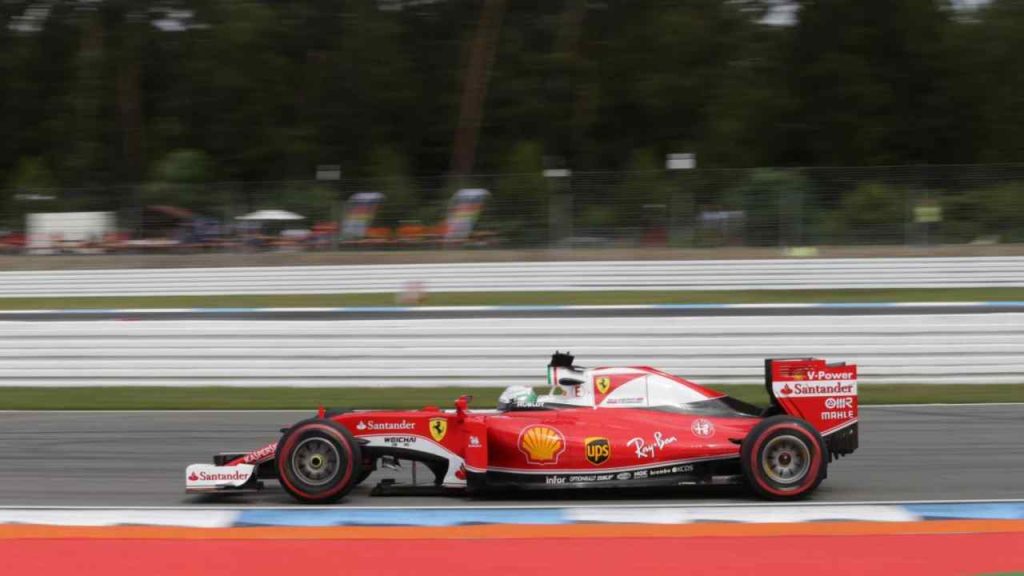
(268, 215)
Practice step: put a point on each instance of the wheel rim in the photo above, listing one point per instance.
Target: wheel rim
(315, 461)
(786, 459)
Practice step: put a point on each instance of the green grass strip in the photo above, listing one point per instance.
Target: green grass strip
(228, 398)
(527, 298)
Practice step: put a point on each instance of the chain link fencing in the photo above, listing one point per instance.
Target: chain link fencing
(701, 208)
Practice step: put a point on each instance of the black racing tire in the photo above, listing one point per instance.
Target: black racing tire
(783, 458)
(318, 461)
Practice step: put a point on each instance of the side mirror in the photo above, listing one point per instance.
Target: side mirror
(461, 404)
(570, 381)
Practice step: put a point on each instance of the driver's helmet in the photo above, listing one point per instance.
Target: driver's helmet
(516, 396)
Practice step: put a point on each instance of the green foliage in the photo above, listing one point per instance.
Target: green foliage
(281, 398)
(1001, 211)
(873, 213)
(390, 175)
(32, 174)
(518, 207)
(775, 206)
(186, 166)
(993, 213)
(31, 177)
(181, 178)
(266, 91)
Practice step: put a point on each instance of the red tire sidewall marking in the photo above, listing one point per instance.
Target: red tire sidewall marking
(812, 472)
(293, 438)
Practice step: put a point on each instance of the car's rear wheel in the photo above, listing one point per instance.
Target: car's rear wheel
(783, 458)
(318, 461)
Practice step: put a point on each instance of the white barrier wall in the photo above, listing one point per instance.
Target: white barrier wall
(527, 276)
(972, 348)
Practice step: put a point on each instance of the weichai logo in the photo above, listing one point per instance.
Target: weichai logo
(598, 450)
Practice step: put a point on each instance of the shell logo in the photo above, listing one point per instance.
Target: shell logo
(541, 444)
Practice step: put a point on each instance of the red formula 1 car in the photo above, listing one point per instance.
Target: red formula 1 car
(603, 427)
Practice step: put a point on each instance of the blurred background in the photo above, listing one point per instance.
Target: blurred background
(181, 126)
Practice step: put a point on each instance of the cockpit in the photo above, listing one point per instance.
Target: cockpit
(624, 387)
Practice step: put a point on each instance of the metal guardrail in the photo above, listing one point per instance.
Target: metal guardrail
(971, 348)
(527, 276)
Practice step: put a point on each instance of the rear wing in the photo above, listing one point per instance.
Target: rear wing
(822, 394)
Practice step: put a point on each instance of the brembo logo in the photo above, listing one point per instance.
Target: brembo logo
(203, 476)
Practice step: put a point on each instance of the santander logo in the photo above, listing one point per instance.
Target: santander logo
(204, 476)
(798, 389)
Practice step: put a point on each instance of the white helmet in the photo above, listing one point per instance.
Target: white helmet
(516, 396)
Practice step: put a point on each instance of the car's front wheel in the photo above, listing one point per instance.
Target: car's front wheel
(318, 461)
(783, 458)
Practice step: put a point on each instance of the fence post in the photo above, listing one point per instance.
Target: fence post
(559, 199)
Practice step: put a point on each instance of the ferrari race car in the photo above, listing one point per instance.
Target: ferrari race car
(603, 427)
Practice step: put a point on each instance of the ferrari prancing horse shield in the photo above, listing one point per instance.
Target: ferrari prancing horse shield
(438, 428)
(603, 384)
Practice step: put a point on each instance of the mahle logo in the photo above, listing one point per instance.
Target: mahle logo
(597, 450)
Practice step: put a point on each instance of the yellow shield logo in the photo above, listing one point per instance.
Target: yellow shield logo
(597, 450)
(438, 428)
(603, 383)
(541, 444)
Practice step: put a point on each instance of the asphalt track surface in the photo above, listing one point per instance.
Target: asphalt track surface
(454, 312)
(924, 452)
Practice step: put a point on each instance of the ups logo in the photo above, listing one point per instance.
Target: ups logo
(598, 450)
